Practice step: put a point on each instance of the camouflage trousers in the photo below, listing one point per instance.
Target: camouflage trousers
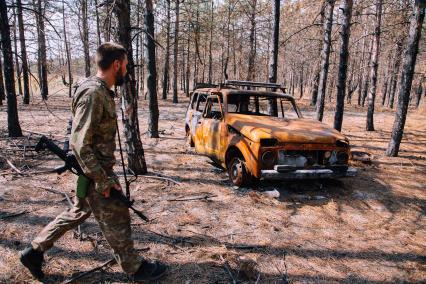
(113, 218)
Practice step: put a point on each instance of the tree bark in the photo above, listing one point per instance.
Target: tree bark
(419, 92)
(98, 28)
(24, 60)
(167, 54)
(15, 44)
(210, 71)
(374, 66)
(135, 152)
(252, 52)
(152, 70)
(175, 54)
(67, 51)
(325, 56)
(42, 57)
(410, 57)
(13, 125)
(395, 71)
(314, 96)
(273, 67)
(346, 15)
(84, 33)
(2, 91)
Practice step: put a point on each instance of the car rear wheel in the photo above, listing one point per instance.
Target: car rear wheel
(238, 173)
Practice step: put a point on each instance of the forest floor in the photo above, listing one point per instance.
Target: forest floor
(366, 229)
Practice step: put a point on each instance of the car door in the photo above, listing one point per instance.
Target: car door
(213, 126)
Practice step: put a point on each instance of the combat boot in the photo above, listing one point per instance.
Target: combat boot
(33, 260)
(149, 271)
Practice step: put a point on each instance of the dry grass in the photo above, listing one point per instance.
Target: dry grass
(364, 229)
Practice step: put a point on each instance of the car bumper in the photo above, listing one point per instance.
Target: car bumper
(307, 174)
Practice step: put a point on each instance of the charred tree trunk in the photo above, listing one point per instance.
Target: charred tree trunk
(325, 56)
(67, 51)
(13, 125)
(318, 68)
(175, 54)
(42, 57)
(410, 56)
(374, 66)
(152, 71)
(135, 152)
(395, 71)
(273, 67)
(84, 33)
(419, 92)
(2, 91)
(167, 54)
(98, 28)
(252, 52)
(188, 70)
(346, 13)
(366, 85)
(24, 60)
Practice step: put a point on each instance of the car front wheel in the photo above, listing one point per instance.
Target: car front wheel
(238, 173)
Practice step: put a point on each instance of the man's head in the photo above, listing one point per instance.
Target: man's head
(111, 59)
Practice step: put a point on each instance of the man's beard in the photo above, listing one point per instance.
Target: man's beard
(119, 78)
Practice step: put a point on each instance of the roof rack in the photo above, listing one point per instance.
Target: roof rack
(255, 84)
(205, 85)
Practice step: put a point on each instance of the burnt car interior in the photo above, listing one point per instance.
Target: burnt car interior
(213, 107)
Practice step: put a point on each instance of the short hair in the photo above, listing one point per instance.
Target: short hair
(107, 53)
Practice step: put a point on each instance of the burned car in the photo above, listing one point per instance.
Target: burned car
(233, 127)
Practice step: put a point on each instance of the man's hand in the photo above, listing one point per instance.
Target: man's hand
(115, 186)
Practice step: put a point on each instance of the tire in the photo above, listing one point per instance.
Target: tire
(238, 173)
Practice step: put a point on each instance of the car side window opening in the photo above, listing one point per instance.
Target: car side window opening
(201, 101)
(213, 109)
(194, 99)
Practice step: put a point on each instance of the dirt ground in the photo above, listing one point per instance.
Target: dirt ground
(367, 229)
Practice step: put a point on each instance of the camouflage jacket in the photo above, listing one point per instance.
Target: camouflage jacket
(93, 131)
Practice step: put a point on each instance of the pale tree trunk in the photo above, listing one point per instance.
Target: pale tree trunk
(42, 57)
(152, 71)
(175, 54)
(135, 152)
(24, 59)
(346, 15)
(166, 79)
(273, 61)
(84, 34)
(188, 70)
(15, 44)
(374, 66)
(409, 63)
(67, 51)
(209, 77)
(252, 52)
(13, 125)
(325, 57)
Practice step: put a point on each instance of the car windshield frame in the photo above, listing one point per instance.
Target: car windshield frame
(265, 96)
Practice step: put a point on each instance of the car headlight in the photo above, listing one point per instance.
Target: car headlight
(268, 158)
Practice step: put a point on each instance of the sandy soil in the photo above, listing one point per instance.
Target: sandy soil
(367, 229)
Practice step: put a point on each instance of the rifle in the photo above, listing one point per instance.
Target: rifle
(72, 165)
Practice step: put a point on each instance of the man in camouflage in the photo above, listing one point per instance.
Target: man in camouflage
(93, 144)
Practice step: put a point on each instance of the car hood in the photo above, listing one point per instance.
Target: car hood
(284, 130)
